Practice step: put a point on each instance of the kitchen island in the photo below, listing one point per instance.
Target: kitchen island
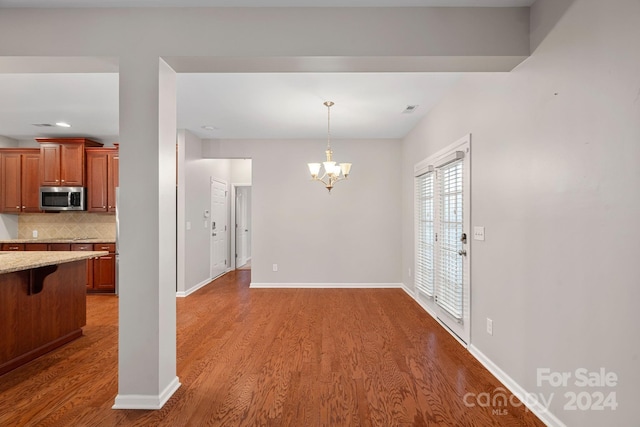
(42, 303)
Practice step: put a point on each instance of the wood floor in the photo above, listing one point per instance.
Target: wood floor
(271, 357)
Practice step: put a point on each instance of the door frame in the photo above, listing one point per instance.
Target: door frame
(232, 264)
(428, 303)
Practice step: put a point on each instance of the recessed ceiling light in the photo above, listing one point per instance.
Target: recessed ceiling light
(63, 125)
(209, 127)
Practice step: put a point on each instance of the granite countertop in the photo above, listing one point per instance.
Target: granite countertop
(61, 240)
(21, 260)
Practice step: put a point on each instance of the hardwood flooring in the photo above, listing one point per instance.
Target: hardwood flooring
(271, 357)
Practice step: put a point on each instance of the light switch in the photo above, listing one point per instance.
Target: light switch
(478, 233)
(188, 225)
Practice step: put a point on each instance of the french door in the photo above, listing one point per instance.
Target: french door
(442, 184)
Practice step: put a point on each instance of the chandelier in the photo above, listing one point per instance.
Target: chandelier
(332, 170)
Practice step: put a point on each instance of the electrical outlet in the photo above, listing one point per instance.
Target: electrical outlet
(489, 326)
(35, 234)
(275, 267)
(188, 225)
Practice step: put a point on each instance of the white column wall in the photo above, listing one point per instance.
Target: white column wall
(147, 344)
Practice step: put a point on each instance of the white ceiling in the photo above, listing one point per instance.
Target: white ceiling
(265, 3)
(238, 106)
(290, 105)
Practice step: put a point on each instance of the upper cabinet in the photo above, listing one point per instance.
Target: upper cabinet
(19, 181)
(62, 161)
(102, 179)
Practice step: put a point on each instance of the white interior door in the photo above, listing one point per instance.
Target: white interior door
(243, 201)
(218, 227)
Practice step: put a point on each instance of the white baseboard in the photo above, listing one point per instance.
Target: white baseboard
(149, 402)
(191, 290)
(534, 405)
(326, 285)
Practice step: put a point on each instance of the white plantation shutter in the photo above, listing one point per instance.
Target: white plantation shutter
(425, 257)
(450, 262)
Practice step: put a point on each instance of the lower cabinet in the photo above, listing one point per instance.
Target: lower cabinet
(101, 271)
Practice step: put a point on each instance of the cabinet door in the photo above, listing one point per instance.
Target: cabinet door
(36, 247)
(97, 194)
(10, 182)
(49, 165)
(86, 247)
(31, 182)
(59, 246)
(104, 273)
(72, 165)
(113, 181)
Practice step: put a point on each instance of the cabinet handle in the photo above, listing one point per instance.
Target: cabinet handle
(23, 207)
(17, 207)
(104, 207)
(63, 180)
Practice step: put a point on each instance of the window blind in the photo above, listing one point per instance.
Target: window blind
(450, 262)
(424, 274)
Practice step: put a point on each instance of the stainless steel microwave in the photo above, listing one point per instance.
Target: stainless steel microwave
(62, 199)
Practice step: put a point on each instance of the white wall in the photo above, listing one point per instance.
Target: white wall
(350, 236)
(555, 180)
(6, 142)
(241, 171)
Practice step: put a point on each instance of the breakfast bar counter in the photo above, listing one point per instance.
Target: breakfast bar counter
(42, 303)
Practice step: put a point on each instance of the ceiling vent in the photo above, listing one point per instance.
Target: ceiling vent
(409, 109)
(43, 125)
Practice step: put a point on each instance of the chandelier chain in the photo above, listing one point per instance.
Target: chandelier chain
(328, 104)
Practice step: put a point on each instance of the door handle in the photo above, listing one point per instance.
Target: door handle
(462, 252)
(214, 234)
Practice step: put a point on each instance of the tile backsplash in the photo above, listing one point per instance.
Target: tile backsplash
(67, 225)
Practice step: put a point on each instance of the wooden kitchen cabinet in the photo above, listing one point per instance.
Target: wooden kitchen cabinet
(19, 180)
(62, 161)
(101, 271)
(102, 179)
